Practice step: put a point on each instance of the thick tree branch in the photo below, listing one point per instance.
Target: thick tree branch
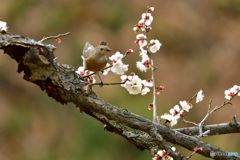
(61, 82)
(215, 129)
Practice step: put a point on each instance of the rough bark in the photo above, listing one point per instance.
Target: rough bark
(60, 82)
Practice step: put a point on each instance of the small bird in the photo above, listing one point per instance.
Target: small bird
(95, 59)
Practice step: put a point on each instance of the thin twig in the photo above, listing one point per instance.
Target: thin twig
(191, 154)
(93, 84)
(88, 75)
(54, 37)
(204, 119)
(153, 79)
(201, 134)
(189, 122)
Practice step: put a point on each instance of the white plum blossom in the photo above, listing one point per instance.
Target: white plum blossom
(232, 91)
(141, 66)
(141, 22)
(174, 120)
(148, 18)
(132, 84)
(80, 70)
(168, 117)
(145, 90)
(236, 88)
(185, 105)
(115, 57)
(135, 85)
(141, 40)
(124, 78)
(155, 45)
(89, 79)
(136, 28)
(162, 155)
(105, 71)
(147, 83)
(143, 53)
(3, 26)
(199, 96)
(176, 111)
(144, 65)
(118, 66)
(228, 94)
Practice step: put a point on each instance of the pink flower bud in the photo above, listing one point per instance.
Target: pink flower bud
(136, 28)
(58, 40)
(129, 51)
(149, 28)
(198, 149)
(151, 9)
(150, 106)
(132, 74)
(159, 89)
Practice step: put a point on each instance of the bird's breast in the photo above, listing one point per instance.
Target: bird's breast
(94, 65)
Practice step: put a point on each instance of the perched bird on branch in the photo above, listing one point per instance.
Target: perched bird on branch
(95, 59)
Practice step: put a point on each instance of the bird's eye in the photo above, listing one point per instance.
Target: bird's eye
(101, 49)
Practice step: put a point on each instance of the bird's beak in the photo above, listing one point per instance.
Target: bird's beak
(109, 49)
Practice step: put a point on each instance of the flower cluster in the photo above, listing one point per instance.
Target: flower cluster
(145, 22)
(118, 66)
(176, 112)
(162, 155)
(141, 39)
(232, 91)
(135, 85)
(3, 26)
(81, 71)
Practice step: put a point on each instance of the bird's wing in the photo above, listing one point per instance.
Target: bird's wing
(87, 47)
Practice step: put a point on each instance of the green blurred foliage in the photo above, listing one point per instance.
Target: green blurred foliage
(200, 50)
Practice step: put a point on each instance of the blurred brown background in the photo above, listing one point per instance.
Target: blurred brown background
(200, 50)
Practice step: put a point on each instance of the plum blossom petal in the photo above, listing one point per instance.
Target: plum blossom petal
(141, 40)
(147, 83)
(145, 90)
(119, 68)
(185, 105)
(155, 45)
(199, 96)
(3, 26)
(105, 72)
(148, 18)
(132, 84)
(80, 70)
